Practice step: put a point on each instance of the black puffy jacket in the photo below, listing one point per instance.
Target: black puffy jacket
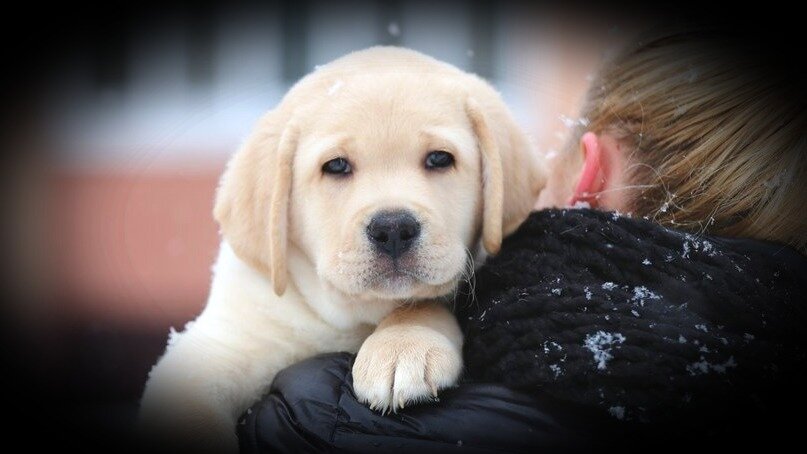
(587, 330)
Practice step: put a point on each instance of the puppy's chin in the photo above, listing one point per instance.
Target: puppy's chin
(395, 286)
(399, 285)
(386, 281)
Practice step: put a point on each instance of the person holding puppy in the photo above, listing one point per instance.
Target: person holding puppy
(668, 311)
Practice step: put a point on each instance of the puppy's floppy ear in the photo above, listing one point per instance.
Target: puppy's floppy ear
(252, 201)
(511, 175)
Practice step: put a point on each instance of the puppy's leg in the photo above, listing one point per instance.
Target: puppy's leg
(208, 376)
(413, 353)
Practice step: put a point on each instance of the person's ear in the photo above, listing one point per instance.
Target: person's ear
(592, 175)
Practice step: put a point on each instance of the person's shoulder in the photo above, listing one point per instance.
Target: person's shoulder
(311, 407)
(607, 231)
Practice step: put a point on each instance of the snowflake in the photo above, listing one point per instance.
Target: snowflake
(609, 286)
(617, 412)
(335, 87)
(703, 367)
(642, 293)
(600, 345)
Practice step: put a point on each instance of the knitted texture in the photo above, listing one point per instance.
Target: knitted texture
(634, 318)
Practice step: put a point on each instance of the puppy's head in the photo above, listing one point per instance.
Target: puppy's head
(385, 168)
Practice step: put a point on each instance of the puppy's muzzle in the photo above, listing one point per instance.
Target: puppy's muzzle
(393, 232)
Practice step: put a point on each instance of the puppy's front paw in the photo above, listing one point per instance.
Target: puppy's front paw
(401, 365)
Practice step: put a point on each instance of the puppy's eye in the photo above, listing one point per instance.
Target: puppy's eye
(337, 166)
(439, 160)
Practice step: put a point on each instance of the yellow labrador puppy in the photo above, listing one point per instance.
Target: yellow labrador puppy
(348, 218)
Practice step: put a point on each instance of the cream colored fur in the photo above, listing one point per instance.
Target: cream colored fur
(296, 275)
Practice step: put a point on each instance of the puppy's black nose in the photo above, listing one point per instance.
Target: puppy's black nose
(393, 232)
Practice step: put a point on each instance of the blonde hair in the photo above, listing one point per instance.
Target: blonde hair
(714, 134)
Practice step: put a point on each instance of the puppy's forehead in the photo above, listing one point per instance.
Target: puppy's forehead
(403, 103)
(421, 96)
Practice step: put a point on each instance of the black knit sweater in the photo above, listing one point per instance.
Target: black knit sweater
(645, 323)
(587, 330)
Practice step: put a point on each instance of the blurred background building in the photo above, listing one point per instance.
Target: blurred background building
(140, 127)
(113, 237)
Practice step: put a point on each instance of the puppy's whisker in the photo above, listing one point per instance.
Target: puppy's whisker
(467, 275)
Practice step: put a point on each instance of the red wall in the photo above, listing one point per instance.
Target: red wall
(132, 247)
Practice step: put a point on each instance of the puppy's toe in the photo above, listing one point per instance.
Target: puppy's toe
(410, 384)
(372, 385)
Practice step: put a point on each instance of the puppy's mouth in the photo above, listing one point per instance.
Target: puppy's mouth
(395, 272)
(394, 282)
(405, 278)
(375, 276)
